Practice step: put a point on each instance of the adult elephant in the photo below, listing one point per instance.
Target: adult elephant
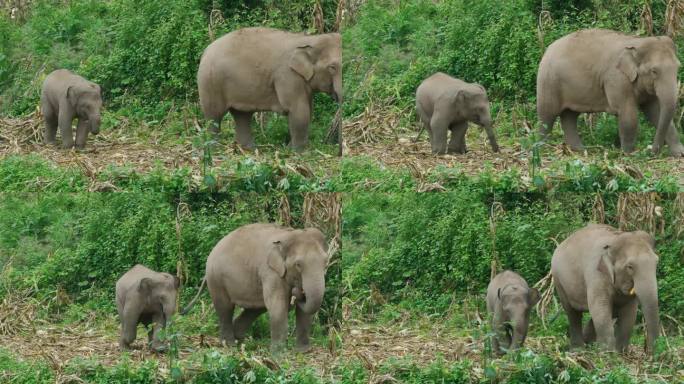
(599, 70)
(262, 69)
(607, 272)
(263, 267)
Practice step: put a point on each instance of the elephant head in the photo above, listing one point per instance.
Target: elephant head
(319, 62)
(516, 303)
(86, 100)
(651, 64)
(630, 263)
(301, 258)
(161, 293)
(476, 106)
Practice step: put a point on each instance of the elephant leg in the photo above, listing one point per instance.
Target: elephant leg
(81, 133)
(438, 139)
(574, 319)
(303, 329)
(629, 127)
(589, 332)
(602, 316)
(158, 323)
(51, 124)
(65, 119)
(652, 112)
(243, 132)
(278, 322)
(225, 309)
(546, 125)
(245, 320)
(299, 118)
(569, 125)
(457, 143)
(215, 126)
(626, 318)
(129, 328)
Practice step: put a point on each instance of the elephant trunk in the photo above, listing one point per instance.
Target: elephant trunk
(519, 332)
(667, 99)
(490, 135)
(94, 123)
(337, 89)
(314, 288)
(647, 293)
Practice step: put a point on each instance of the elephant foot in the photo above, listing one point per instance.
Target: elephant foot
(229, 341)
(456, 151)
(298, 148)
(303, 348)
(159, 348)
(277, 349)
(677, 150)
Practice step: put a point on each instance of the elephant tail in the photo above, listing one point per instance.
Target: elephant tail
(194, 300)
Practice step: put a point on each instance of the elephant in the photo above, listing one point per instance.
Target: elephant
(444, 103)
(266, 267)
(263, 69)
(599, 70)
(65, 96)
(607, 272)
(509, 301)
(145, 296)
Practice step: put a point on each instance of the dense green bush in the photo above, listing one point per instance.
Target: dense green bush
(431, 246)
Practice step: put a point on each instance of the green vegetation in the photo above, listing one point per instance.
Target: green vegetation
(404, 301)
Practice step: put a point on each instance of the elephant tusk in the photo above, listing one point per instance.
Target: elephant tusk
(632, 292)
(293, 300)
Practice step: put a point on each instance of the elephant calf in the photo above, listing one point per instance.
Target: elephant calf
(145, 296)
(447, 104)
(607, 272)
(262, 267)
(509, 301)
(66, 96)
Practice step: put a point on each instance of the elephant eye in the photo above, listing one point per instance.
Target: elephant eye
(654, 71)
(332, 68)
(630, 268)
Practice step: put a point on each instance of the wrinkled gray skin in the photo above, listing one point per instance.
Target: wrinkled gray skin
(262, 69)
(595, 270)
(447, 104)
(147, 297)
(509, 301)
(66, 96)
(260, 267)
(604, 71)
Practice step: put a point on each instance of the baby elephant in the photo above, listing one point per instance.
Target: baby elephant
(66, 96)
(447, 104)
(145, 296)
(509, 301)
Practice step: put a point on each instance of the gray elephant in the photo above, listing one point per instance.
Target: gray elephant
(266, 267)
(599, 70)
(607, 273)
(261, 69)
(147, 297)
(64, 97)
(447, 104)
(509, 302)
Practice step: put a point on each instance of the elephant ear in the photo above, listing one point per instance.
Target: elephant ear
(146, 285)
(72, 95)
(301, 62)
(533, 296)
(605, 264)
(276, 259)
(627, 63)
(459, 96)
